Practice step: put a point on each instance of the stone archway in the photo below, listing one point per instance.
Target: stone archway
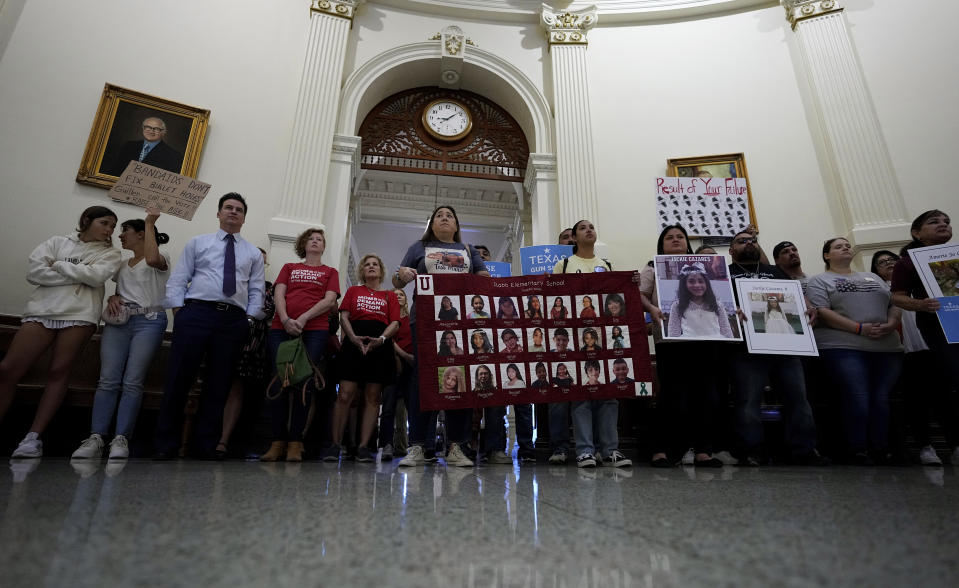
(419, 64)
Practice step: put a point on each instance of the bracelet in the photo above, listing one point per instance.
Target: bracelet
(859, 330)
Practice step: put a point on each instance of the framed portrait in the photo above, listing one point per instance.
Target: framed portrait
(696, 295)
(730, 165)
(131, 125)
(777, 322)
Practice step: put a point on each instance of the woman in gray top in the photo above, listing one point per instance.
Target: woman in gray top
(860, 347)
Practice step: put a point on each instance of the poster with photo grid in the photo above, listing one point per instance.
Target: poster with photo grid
(548, 338)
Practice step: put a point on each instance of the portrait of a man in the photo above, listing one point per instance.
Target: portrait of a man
(150, 149)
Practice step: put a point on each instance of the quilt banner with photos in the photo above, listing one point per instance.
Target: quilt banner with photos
(707, 207)
(938, 267)
(548, 338)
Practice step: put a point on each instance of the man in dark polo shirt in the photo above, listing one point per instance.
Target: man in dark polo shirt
(751, 373)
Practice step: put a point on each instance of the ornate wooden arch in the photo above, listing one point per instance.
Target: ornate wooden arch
(394, 139)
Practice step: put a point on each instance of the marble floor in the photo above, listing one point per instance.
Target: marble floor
(234, 524)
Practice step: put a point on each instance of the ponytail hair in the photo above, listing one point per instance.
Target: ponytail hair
(139, 226)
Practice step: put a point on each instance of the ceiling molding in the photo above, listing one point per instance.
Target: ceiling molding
(609, 11)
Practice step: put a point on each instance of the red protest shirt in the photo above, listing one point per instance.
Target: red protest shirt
(364, 304)
(404, 337)
(305, 286)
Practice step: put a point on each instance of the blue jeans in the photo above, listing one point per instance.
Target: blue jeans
(495, 433)
(559, 426)
(289, 414)
(600, 416)
(750, 374)
(125, 355)
(864, 379)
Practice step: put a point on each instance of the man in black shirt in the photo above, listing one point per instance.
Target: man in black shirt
(751, 373)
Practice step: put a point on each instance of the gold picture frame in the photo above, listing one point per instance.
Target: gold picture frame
(119, 125)
(729, 165)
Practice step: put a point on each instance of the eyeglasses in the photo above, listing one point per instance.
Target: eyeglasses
(155, 129)
(746, 240)
(887, 261)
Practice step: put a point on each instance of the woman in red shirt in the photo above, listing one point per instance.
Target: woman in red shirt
(304, 294)
(369, 318)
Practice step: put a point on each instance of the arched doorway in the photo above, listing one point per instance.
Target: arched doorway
(408, 167)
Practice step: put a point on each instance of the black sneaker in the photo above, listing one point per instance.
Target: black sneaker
(527, 456)
(364, 455)
(331, 453)
(586, 460)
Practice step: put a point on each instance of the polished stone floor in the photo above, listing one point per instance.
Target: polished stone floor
(312, 524)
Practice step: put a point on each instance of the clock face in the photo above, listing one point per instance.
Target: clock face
(447, 120)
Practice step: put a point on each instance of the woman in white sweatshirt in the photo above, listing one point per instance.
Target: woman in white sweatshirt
(63, 311)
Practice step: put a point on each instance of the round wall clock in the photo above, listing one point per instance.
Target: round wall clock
(447, 119)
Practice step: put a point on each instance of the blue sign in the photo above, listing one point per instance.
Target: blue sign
(499, 269)
(949, 317)
(540, 259)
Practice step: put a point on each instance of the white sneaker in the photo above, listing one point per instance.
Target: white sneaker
(119, 449)
(414, 457)
(927, 455)
(558, 458)
(91, 448)
(726, 457)
(955, 456)
(387, 453)
(500, 457)
(31, 446)
(689, 458)
(456, 457)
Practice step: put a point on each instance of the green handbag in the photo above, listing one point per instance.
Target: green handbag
(293, 364)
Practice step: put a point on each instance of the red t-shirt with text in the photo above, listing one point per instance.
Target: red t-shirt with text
(305, 286)
(364, 304)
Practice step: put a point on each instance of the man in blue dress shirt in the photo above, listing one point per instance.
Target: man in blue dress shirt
(215, 288)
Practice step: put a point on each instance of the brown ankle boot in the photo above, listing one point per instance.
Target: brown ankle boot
(276, 452)
(294, 451)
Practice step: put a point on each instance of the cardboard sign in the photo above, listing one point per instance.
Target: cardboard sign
(550, 338)
(540, 259)
(707, 207)
(144, 185)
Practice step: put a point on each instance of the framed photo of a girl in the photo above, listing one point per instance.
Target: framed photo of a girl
(617, 337)
(480, 341)
(776, 317)
(586, 306)
(559, 308)
(447, 308)
(697, 291)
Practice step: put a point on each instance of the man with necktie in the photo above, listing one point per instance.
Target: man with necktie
(215, 288)
(151, 150)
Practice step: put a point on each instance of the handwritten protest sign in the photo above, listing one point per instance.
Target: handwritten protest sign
(549, 338)
(144, 185)
(711, 207)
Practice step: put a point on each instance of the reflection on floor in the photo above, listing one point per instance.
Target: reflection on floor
(312, 524)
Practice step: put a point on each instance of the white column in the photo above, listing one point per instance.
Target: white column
(344, 167)
(862, 180)
(302, 201)
(575, 165)
(541, 185)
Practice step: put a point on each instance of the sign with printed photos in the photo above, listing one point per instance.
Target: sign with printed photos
(548, 338)
(776, 317)
(696, 297)
(938, 268)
